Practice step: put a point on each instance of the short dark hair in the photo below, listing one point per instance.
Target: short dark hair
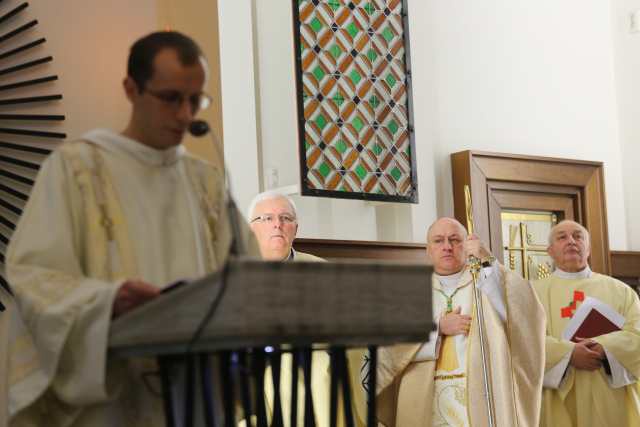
(144, 51)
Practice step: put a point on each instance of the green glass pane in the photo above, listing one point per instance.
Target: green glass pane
(316, 24)
(361, 172)
(377, 149)
(334, 4)
(393, 127)
(307, 145)
(352, 29)
(319, 73)
(374, 101)
(335, 51)
(396, 174)
(321, 121)
(369, 8)
(355, 76)
(391, 81)
(338, 99)
(341, 146)
(324, 169)
(387, 34)
(408, 151)
(343, 188)
(372, 55)
(357, 123)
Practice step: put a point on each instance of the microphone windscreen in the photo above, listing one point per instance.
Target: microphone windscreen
(198, 128)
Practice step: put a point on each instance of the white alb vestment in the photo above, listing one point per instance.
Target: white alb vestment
(103, 210)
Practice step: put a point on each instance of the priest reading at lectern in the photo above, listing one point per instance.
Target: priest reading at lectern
(113, 217)
(593, 339)
(440, 383)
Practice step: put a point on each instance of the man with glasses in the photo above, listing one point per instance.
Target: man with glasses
(112, 218)
(273, 219)
(440, 383)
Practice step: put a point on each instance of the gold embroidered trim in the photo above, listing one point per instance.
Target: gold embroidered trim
(449, 377)
(99, 185)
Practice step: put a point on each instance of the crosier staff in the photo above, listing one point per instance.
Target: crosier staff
(474, 266)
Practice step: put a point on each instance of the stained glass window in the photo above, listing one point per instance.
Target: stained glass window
(354, 99)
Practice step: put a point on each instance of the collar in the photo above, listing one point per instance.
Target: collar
(584, 274)
(292, 255)
(119, 143)
(456, 280)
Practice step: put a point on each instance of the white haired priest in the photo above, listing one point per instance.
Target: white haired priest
(589, 380)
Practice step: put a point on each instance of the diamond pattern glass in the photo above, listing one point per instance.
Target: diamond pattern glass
(354, 99)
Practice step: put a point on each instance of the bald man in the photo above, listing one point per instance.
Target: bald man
(590, 381)
(440, 382)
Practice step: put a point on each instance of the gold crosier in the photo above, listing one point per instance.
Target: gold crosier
(474, 266)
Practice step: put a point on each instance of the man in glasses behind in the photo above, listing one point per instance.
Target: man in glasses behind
(112, 218)
(274, 221)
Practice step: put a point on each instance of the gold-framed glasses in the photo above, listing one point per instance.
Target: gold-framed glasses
(175, 99)
(271, 218)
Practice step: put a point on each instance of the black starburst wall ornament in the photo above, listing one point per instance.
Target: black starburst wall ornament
(27, 133)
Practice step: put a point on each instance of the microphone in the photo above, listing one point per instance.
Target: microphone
(200, 128)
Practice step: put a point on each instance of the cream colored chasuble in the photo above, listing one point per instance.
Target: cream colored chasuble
(168, 245)
(320, 380)
(439, 383)
(450, 387)
(590, 398)
(103, 210)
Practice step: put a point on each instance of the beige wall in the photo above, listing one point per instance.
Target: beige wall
(90, 40)
(199, 20)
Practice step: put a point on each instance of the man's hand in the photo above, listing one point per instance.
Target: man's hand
(473, 246)
(454, 323)
(587, 355)
(131, 294)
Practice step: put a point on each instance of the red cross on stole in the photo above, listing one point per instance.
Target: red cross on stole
(568, 310)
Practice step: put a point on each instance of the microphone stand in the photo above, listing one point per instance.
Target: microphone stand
(199, 128)
(229, 359)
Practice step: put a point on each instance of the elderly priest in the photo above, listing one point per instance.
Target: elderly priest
(589, 380)
(274, 221)
(440, 383)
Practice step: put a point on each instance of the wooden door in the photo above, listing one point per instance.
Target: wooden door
(504, 183)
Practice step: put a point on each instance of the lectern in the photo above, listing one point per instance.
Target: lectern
(245, 316)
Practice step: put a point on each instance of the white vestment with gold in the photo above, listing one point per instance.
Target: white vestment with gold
(104, 209)
(440, 383)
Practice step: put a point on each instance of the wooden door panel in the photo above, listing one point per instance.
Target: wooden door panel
(573, 188)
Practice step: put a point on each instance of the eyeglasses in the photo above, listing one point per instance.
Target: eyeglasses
(453, 241)
(174, 98)
(270, 218)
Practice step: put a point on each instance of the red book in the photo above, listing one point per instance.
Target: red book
(595, 324)
(593, 318)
